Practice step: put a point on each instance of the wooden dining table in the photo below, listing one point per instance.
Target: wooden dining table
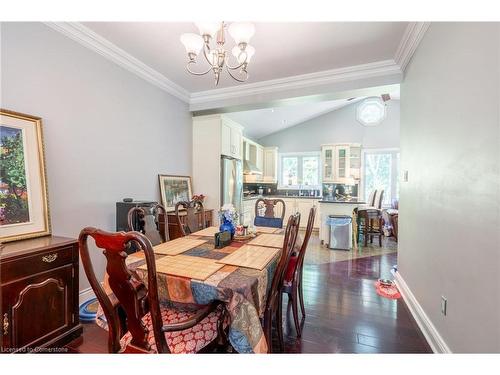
(242, 289)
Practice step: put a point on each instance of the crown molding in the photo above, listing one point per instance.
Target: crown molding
(104, 47)
(356, 72)
(411, 39)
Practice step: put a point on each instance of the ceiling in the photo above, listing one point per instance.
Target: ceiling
(261, 122)
(282, 49)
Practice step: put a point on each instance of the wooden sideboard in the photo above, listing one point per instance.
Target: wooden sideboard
(39, 294)
(174, 231)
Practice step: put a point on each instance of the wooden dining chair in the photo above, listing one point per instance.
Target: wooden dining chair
(269, 218)
(136, 321)
(192, 222)
(378, 199)
(370, 224)
(292, 284)
(152, 222)
(371, 198)
(274, 296)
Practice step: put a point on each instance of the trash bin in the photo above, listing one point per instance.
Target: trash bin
(340, 232)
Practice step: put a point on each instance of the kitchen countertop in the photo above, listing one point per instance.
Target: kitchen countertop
(279, 197)
(354, 201)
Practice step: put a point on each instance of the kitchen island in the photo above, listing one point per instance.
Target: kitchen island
(334, 207)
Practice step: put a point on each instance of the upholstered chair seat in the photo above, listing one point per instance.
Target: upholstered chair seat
(188, 341)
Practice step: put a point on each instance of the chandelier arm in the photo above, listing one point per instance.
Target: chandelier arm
(235, 78)
(238, 66)
(196, 73)
(206, 48)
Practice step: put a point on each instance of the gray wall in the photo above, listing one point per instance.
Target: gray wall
(449, 208)
(108, 133)
(337, 127)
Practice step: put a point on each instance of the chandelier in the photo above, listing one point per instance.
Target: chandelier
(216, 56)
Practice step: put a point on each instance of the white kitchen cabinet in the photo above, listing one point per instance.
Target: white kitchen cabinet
(303, 206)
(213, 136)
(259, 162)
(270, 164)
(341, 162)
(231, 139)
(328, 160)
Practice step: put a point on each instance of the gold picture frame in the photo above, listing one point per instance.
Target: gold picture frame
(174, 189)
(24, 206)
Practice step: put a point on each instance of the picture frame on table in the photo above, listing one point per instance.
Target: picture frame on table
(174, 189)
(24, 209)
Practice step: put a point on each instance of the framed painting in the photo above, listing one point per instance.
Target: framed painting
(24, 211)
(174, 189)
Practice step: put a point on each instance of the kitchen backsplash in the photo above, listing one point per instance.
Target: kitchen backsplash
(338, 191)
(272, 189)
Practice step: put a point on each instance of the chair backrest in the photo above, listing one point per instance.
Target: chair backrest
(369, 213)
(305, 242)
(291, 233)
(371, 198)
(379, 197)
(192, 223)
(133, 298)
(269, 218)
(149, 223)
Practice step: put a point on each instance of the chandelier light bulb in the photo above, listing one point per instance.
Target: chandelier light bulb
(240, 55)
(192, 42)
(241, 32)
(208, 28)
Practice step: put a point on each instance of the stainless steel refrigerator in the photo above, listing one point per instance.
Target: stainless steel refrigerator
(232, 182)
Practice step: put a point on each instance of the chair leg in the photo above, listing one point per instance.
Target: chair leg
(301, 297)
(295, 310)
(268, 333)
(279, 323)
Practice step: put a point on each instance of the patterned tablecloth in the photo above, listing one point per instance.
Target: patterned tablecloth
(243, 290)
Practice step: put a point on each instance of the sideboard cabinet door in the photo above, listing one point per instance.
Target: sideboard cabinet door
(37, 309)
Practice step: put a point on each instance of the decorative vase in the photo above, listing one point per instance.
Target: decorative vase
(227, 226)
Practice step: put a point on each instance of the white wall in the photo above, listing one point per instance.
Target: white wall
(449, 236)
(108, 134)
(337, 127)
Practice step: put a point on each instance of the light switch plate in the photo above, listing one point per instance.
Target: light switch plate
(405, 176)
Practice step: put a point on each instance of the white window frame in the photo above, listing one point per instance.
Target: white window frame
(299, 155)
(392, 150)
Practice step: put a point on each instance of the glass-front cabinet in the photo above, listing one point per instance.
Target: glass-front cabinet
(327, 154)
(341, 162)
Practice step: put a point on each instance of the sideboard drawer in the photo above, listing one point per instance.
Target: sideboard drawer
(33, 264)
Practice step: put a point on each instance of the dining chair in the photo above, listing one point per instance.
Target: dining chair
(192, 221)
(370, 224)
(292, 284)
(274, 298)
(136, 321)
(147, 222)
(378, 199)
(269, 219)
(371, 198)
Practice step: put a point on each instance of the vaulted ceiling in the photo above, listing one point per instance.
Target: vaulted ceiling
(292, 60)
(282, 49)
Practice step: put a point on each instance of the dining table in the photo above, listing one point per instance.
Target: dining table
(242, 289)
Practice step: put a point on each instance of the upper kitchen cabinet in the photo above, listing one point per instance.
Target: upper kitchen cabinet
(231, 138)
(213, 136)
(270, 165)
(341, 162)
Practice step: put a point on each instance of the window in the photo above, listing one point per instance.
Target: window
(381, 171)
(299, 170)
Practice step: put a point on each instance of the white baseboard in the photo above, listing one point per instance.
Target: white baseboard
(436, 342)
(85, 295)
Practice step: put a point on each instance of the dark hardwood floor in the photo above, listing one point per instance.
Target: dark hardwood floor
(344, 314)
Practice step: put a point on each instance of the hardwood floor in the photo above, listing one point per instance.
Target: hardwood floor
(344, 313)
